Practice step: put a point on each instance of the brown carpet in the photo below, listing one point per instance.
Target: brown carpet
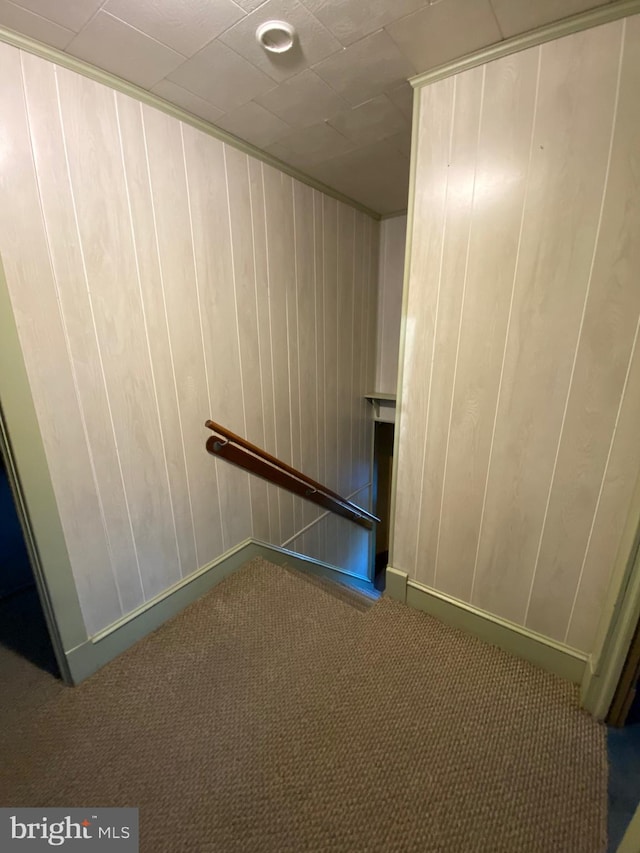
(273, 715)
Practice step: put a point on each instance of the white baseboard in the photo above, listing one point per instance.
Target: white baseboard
(543, 652)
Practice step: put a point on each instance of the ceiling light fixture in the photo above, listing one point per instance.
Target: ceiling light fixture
(276, 36)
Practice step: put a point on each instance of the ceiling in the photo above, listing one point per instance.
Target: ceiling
(337, 106)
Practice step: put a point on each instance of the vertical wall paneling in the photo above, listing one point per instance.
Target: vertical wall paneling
(567, 172)
(330, 254)
(320, 375)
(372, 237)
(244, 270)
(279, 228)
(259, 235)
(346, 236)
(368, 273)
(591, 405)
(52, 375)
(393, 234)
(615, 491)
(356, 427)
(176, 253)
(501, 169)
(68, 263)
(431, 185)
(616, 262)
(306, 320)
(159, 277)
(457, 228)
(107, 254)
(521, 366)
(369, 341)
(134, 157)
(216, 290)
(291, 280)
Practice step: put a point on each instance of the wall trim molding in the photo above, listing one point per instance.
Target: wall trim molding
(396, 584)
(65, 60)
(90, 656)
(394, 215)
(550, 32)
(548, 654)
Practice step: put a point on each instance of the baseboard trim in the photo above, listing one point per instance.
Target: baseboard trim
(396, 584)
(543, 652)
(96, 652)
(591, 698)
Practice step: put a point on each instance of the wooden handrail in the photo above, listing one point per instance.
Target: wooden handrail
(273, 460)
(248, 456)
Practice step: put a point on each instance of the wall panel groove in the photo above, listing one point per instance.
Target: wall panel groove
(146, 235)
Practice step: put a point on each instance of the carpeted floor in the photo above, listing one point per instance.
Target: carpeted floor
(273, 715)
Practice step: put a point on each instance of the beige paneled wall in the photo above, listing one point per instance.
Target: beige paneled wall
(392, 247)
(160, 277)
(520, 414)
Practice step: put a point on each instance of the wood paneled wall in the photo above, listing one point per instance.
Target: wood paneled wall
(520, 413)
(392, 247)
(160, 277)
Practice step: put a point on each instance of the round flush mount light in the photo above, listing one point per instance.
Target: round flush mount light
(276, 36)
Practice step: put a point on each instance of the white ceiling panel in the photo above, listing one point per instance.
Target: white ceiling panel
(72, 14)
(36, 27)
(518, 16)
(303, 100)
(374, 120)
(402, 97)
(312, 144)
(254, 124)
(350, 20)
(249, 5)
(187, 100)
(313, 42)
(445, 31)
(115, 46)
(378, 176)
(402, 142)
(369, 67)
(184, 25)
(220, 76)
